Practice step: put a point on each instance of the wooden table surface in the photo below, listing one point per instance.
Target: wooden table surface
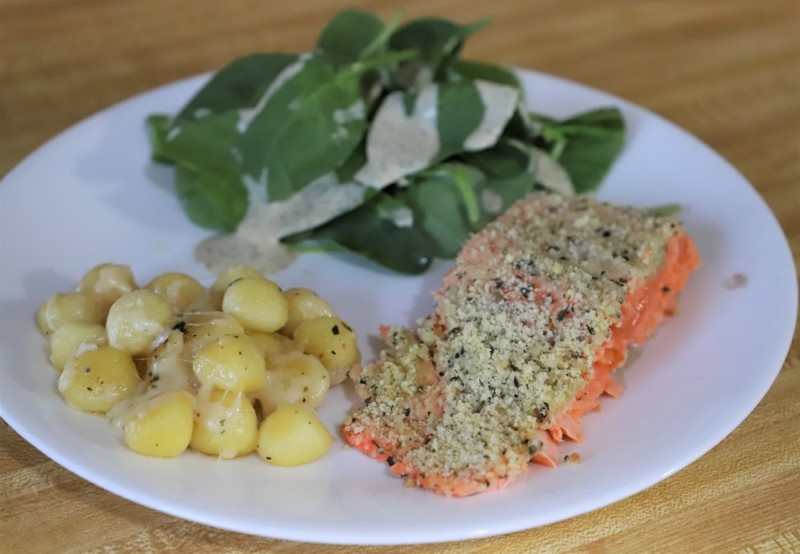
(727, 71)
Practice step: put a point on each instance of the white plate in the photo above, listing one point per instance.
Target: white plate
(90, 195)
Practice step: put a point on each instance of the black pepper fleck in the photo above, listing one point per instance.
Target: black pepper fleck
(541, 413)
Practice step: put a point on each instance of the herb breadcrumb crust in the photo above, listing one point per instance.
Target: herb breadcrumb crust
(522, 325)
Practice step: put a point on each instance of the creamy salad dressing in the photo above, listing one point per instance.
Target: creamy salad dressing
(399, 143)
(257, 240)
(552, 175)
(499, 103)
(173, 133)
(260, 183)
(354, 112)
(403, 217)
(491, 201)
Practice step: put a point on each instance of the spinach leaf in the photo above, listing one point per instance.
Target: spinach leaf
(446, 207)
(349, 35)
(358, 36)
(585, 145)
(437, 41)
(207, 144)
(457, 199)
(472, 70)
(405, 228)
(236, 85)
(346, 172)
(202, 134)
(157, 128)
(211, 200)
(379, 231)
(305, 125)
(459, 112)
(510, 170)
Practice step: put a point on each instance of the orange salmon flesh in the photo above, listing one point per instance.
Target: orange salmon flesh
(529, 325)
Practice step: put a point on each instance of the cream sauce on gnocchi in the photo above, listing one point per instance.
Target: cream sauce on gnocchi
(168, 371)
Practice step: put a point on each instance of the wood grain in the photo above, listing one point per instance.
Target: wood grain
(729, 72)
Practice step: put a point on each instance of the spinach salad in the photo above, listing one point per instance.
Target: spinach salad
(381, 141)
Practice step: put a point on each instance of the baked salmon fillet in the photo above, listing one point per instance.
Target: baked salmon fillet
(537, 312)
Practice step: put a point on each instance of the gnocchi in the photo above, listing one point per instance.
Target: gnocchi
(178, 289)
(231, 363)
(235, 368)
(225, 280)
(225, 424)
(303, 304)
(292, 436)
(332, 341)
(201, 329)
(106, 283)
(160, 426)
(256, 303)
(68, 307)
(69, 338)
(95, 380)
(270, 342)
(136, 319)
(293, 378)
